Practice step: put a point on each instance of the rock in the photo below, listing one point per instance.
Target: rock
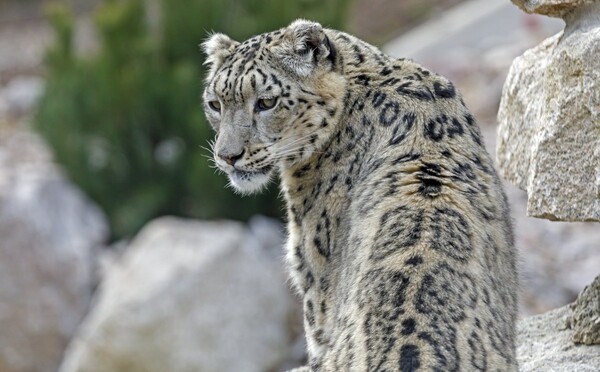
(542, 346)
(270, 234)
(585, 317)
(549, 133)
(49, 237)
(471, 29)
(187, 296)
(21, 94)
(552, 8)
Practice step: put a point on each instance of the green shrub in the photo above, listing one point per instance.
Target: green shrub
(127, 124)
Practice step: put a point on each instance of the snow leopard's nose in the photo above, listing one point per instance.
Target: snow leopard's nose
(230, 158)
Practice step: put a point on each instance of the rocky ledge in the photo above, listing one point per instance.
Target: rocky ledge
(546, 341)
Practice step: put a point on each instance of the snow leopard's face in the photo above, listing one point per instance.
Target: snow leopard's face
(271, 100)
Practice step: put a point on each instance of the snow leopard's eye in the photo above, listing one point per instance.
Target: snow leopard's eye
(265, 104)
(215, 105)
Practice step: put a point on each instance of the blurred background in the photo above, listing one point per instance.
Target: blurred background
(102, 131)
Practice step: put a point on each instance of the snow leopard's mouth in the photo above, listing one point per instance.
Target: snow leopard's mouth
(246, 173)
(247, 182)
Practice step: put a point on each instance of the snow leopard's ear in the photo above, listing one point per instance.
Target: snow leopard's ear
(217, 48)
(304, 47)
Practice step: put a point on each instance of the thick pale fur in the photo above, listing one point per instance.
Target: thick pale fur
(400, 242)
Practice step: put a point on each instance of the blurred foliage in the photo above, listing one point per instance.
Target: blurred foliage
(127, 124)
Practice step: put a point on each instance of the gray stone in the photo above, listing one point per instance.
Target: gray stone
(552, 8)
(187, 296)
(471, 29)
(21, 94)
(585, 316)
(49, 233)
(549, 133)
(543, 346)
(270, 234)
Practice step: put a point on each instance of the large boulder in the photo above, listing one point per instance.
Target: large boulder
(551, 8)
(187, 296)
(545, 342)
(49, 235)
(549, 133)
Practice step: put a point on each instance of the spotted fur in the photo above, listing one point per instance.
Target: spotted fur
(400, 242)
